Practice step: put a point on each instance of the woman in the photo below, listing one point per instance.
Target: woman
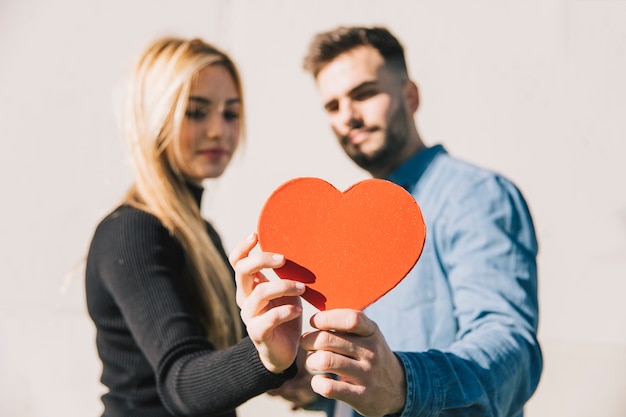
(158, 285)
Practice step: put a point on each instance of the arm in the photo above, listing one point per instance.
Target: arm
(487, 246)
(141, 267)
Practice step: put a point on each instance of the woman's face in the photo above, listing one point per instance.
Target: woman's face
(210, 130)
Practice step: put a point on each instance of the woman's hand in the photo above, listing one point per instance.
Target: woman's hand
(271, 310)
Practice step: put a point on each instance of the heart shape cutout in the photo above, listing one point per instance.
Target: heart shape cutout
(350, 248)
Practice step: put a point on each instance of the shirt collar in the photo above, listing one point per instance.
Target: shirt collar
(407, 174)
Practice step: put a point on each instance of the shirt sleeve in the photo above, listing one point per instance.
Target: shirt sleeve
(488, 248)
(140, 267)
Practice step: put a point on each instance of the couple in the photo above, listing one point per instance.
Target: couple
(456, 337)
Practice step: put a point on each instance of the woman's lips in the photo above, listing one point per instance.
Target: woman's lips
(213, 153)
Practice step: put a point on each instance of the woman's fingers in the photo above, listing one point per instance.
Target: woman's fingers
(271, 310)
(242, 249)
(254, 263)
(248, 266)
(248, 272)
(272, 314)
(271, 295)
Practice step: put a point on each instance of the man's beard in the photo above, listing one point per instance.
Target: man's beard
(395, 140)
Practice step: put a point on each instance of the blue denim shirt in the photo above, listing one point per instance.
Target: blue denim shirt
(464, 320)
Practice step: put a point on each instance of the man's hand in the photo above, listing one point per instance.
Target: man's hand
(348, 344)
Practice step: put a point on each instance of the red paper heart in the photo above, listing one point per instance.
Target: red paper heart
(350, 248)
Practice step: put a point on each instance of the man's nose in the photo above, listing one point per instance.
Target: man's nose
(350, 115)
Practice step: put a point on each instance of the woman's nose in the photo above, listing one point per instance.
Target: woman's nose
(215, 126)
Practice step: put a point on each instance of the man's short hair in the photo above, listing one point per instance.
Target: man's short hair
(327, 46)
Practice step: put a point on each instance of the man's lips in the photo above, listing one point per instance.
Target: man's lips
(358, 136)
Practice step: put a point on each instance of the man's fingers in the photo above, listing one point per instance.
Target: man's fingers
(322, 361)
(344, 320)
(336, 389)
(338, 342)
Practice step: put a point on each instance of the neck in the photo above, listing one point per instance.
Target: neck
(196, 191)
(412, 147)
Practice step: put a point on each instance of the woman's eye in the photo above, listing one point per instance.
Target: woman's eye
(196, 114)
(231, 115)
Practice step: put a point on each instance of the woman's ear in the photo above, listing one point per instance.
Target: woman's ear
(412, 96)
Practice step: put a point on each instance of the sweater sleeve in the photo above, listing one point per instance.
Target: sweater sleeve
(140, 266)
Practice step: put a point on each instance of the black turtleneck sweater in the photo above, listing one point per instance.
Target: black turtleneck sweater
(155, 359)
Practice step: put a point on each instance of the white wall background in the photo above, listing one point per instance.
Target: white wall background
(534, 89)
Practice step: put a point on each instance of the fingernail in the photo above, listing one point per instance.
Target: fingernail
(300, 286)
(250, 237)
(278, 257)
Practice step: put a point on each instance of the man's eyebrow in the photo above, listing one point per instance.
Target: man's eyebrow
(363, 85)
(330, 103)
(206, 101)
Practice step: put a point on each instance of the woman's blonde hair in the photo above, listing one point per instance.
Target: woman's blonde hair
(156, 102)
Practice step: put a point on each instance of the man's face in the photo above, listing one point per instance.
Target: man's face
(367, 109)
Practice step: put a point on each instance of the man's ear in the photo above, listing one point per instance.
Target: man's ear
(412, 95)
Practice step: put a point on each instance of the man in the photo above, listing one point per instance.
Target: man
(457, 336)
